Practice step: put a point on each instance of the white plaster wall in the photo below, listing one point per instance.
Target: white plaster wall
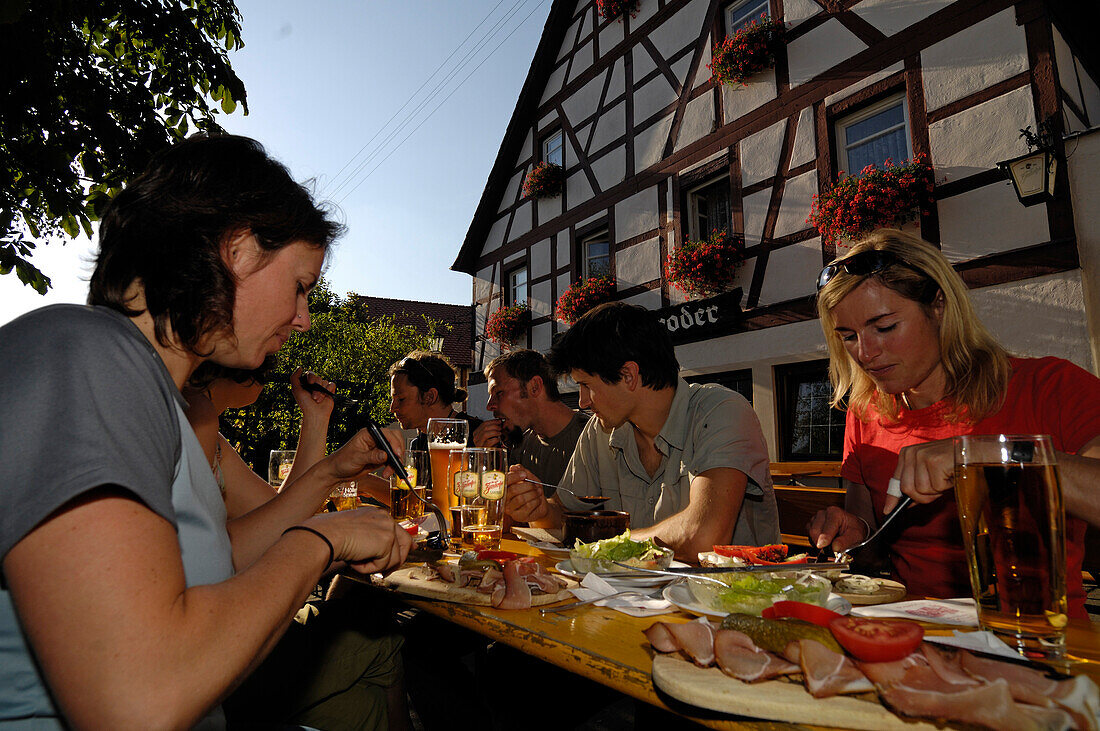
(650, 299)
(638, 264)
(618, 79)
(636, 215)
(609, 126)
(819, 50)
(1084, 180)
(1065, 68)
(795, 207)
(651, 98)
(511, 190)
(540, 337)
(563, 257)
(975, 139)
(539, 299)
(514, 256)
(549, 208)
(496, 235)
(643, 62)
(738, 101)
(679, 30)
(583, 101)
(610, 170)
(698, 120)
(760, 153)
(577, 188)
(1037, 317)
(702, 73)
(792, 272)
(478, 397)
(754, 210)
(805, 141)
(645, 12)
(796, 11)
(570, 36)
(545, 121)
(563, 284)
(973, 59)
(483, 284)
(862, 82)
(521, 221)
(582, 59)
(987, 221)
(649, 145)
(680, 69)
(554, 84)
(611, 35)
(540, 259)
(891, 16)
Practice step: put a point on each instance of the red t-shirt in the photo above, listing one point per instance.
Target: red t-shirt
(1045, 396)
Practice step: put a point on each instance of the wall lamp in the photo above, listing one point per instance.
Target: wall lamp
(1033, 174)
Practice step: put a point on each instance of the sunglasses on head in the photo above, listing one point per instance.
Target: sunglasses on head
(863, 263)
(405, 363)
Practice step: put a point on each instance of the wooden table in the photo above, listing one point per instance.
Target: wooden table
(609, 647)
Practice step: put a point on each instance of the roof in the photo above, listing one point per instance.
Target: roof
(553, 34)
(457, 344)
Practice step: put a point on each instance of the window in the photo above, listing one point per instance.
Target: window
(708, 209)
(552, 148)
(739, 381)
(742, 13)
(595, 255)
(516, 293)
(809, 429)
(872, 135)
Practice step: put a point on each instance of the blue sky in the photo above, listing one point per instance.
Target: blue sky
(323, 79)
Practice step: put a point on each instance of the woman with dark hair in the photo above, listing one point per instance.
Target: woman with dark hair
(916, 367)
(125, 601)
(422, 387)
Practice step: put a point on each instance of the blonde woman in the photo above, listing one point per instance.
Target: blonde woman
(915, 367)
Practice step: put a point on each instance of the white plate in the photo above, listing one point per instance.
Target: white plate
(566, 567)
(680, 595)
(550, 549)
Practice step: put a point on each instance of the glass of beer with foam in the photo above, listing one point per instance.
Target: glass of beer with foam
(443, 436)
(1013, 527)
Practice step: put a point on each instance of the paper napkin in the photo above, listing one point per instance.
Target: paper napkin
(638, 603)
(940, 611)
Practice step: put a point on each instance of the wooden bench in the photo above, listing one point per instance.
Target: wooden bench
(797, 501)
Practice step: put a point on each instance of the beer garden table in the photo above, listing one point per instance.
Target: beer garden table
(609, 647)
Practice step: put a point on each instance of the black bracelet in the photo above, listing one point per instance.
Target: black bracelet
(319, 534)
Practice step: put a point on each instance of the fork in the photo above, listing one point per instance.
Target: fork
(644, 595)
(845, 555)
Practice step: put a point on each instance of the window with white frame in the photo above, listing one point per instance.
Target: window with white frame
(809, 428)
(740, 14)
(708, 209)
(595, 255)
(552, 148)
(873, 134)
(516, 292)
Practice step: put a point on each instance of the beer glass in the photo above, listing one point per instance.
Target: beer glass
(443, 436)
(345, 496)
(479, 486)
(278, 466)
(1013, 527)
(403, 503)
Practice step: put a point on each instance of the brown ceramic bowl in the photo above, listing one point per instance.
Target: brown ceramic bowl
(593, 525)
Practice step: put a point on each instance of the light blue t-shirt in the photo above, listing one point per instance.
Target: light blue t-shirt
(85, 401)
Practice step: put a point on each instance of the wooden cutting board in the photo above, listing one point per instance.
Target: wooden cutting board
(415, 580)
(774, 700)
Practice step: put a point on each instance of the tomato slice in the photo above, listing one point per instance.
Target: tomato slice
(774, 554)
(801, 610)
(498, 556)
(877, 640)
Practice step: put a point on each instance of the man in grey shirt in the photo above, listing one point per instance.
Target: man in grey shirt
(687, 461)
(523, 395)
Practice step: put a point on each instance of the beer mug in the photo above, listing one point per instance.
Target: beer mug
(278, 466)
(1013, 527)
(345, 496)
(478, 486)
(403, 503)
(443, 436)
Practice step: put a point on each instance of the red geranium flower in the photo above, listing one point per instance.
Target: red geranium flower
(544, 181)
(582, 296)
(507, 325)
(701, 268)
(617, 8)
(750, 50)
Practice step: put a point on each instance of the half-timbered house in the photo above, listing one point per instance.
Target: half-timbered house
(655, 152)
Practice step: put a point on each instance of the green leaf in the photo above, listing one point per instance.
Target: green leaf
(228, 105)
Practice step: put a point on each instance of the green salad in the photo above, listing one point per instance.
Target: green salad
(599, 556)
(751, 593)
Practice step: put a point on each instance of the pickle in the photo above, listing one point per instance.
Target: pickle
(774, 635)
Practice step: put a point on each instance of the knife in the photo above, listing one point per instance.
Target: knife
(699, 570)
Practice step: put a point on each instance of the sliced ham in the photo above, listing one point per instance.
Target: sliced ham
(489, 581)
(446, 572)
(740, 658)
(946, 664)
(547, 583)
(988, 705)
(695, 639)
(515, 593)
(1079, 695)
(827, 673)
(660, 638)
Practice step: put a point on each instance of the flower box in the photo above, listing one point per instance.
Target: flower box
(508, 324)
(886, 196)
(707, 267)
(617, 8)
(747, 52)
(582, 296)
(544, 181)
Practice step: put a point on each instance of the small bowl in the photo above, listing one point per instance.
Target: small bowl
(594, 525)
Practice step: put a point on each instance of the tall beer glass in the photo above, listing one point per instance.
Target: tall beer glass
(479, 485)
(1013, 527)
(278, 466)
(443, 436)
(403, 503)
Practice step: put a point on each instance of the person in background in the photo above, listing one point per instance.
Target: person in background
(524, 397)
(687, 461)
(125, 602)
(917, 367)
(422, 387)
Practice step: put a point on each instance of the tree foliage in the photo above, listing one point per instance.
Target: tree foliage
(91, 91)
(344, 345)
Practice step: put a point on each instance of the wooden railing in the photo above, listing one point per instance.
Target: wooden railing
(802, 489)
